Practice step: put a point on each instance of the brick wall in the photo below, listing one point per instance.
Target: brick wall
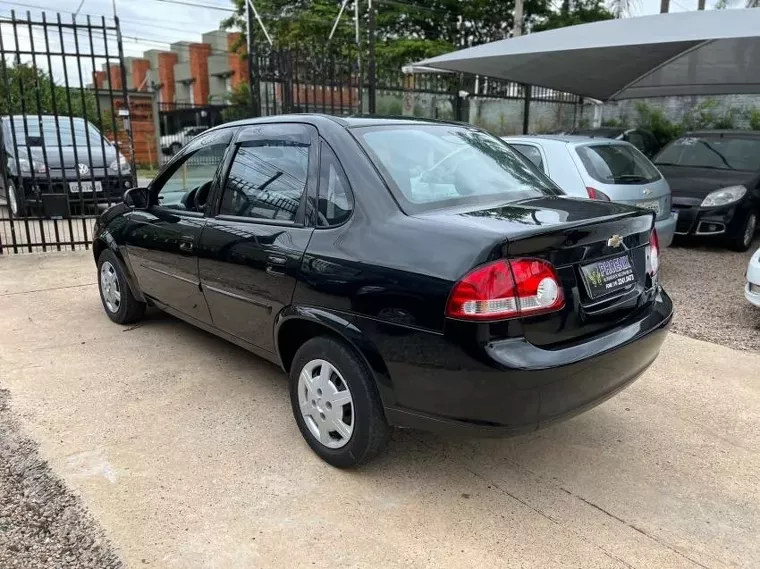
(114, 76)
(140, 69)
(237, 61)
(143, 127)
(99, 79)
(199, 53)
(166, 62)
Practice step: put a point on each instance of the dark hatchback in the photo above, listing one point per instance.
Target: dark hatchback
(714, 177)
(56, 163)
(402, 272)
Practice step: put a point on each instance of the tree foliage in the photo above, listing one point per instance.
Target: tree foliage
(407, 30)
(30, 90)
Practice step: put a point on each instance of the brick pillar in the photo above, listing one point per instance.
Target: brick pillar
(237, 61)
(166, 62)
(114, 77)
(99, 79)
(140, 69)
(199, 53)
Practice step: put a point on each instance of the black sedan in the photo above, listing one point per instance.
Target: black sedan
(714, 177)
(402, 272)
(54, 163)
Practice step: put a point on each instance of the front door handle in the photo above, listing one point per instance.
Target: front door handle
(276, 265)
(186, 243)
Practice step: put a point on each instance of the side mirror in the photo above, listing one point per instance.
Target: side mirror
(137, 198)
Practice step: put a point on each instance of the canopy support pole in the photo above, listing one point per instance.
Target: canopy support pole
(526, 108)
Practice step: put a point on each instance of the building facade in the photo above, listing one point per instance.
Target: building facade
(188, 74)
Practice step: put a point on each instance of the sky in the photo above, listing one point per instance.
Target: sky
(154, 24)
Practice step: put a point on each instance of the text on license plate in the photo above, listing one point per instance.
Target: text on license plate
(85, 187)
(607, 276)
(654, 205)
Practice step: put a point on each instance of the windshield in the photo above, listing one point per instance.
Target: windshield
(617, 164)
(717, 152)
(50, 134)
(444, 165)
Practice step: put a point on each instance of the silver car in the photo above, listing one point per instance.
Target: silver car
(602, 169)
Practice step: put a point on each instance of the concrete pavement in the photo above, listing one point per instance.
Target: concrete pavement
(184, 449)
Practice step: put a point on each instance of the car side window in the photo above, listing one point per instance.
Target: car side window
(267, 179)
(334, 201)
(188, 186)
(532, 153)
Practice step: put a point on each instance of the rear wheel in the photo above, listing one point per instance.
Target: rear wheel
(336, 404)
(744, 238)
(118, 301)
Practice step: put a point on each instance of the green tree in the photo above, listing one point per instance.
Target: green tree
(574, 12)
(27, 89)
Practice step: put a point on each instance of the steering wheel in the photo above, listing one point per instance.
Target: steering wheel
(241, 203)
(432, 176)
(200, 199)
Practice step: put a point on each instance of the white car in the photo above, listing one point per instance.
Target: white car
(171, 143)
(752, 288)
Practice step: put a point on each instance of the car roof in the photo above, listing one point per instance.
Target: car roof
(570, 139)
(723, 132)
(347, 122)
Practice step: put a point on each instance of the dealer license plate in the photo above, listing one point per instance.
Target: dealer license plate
(608, 276)
(654, 205)
(85, 187)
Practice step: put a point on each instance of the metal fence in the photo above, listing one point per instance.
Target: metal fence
(66, 148)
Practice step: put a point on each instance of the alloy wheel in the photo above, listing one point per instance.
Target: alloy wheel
(326, 404)
(12, 201)
(749, 229)
(109, 287)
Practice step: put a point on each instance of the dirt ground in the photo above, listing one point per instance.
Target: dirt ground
(183, 448)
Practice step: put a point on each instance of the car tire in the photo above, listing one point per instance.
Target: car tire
(743, 239)
(174, 147)
(118, 301)
(351, 431)
(16, 203)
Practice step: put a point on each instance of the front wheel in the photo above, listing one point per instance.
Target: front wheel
(16, 202)
(118, 301)
(336, 404)
(744, 238)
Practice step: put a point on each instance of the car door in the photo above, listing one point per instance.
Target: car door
(251, 248)
(161, 240)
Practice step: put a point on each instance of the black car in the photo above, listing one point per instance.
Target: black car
(55, 162)
(714, 177)
(402, 272)
(641, 138)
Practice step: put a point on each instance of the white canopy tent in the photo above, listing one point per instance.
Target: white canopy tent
(712, 52)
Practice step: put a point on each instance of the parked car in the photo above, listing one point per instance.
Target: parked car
(171, 143)
(58, 156)
(602, 169)
(715, 179)
(641, 138)
(402, 272)
(752, 288)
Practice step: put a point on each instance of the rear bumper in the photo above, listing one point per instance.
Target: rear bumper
(666, 228)
(514, 386)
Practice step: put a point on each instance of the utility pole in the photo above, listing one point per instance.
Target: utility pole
(701, 5)
(358, 54)
(518, 29)
(253, 83)
(665, 6)
(371, 67)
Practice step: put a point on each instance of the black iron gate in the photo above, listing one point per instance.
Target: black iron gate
(66, 149)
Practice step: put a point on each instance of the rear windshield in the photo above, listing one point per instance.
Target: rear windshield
(715, 152)
(617, 164)
(433, 166)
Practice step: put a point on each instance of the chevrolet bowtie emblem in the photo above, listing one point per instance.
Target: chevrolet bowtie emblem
(647, 191)
(615, 241)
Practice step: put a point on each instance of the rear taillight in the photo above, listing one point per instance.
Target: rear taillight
(506, 289)
(595, 194)
(653, 254)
